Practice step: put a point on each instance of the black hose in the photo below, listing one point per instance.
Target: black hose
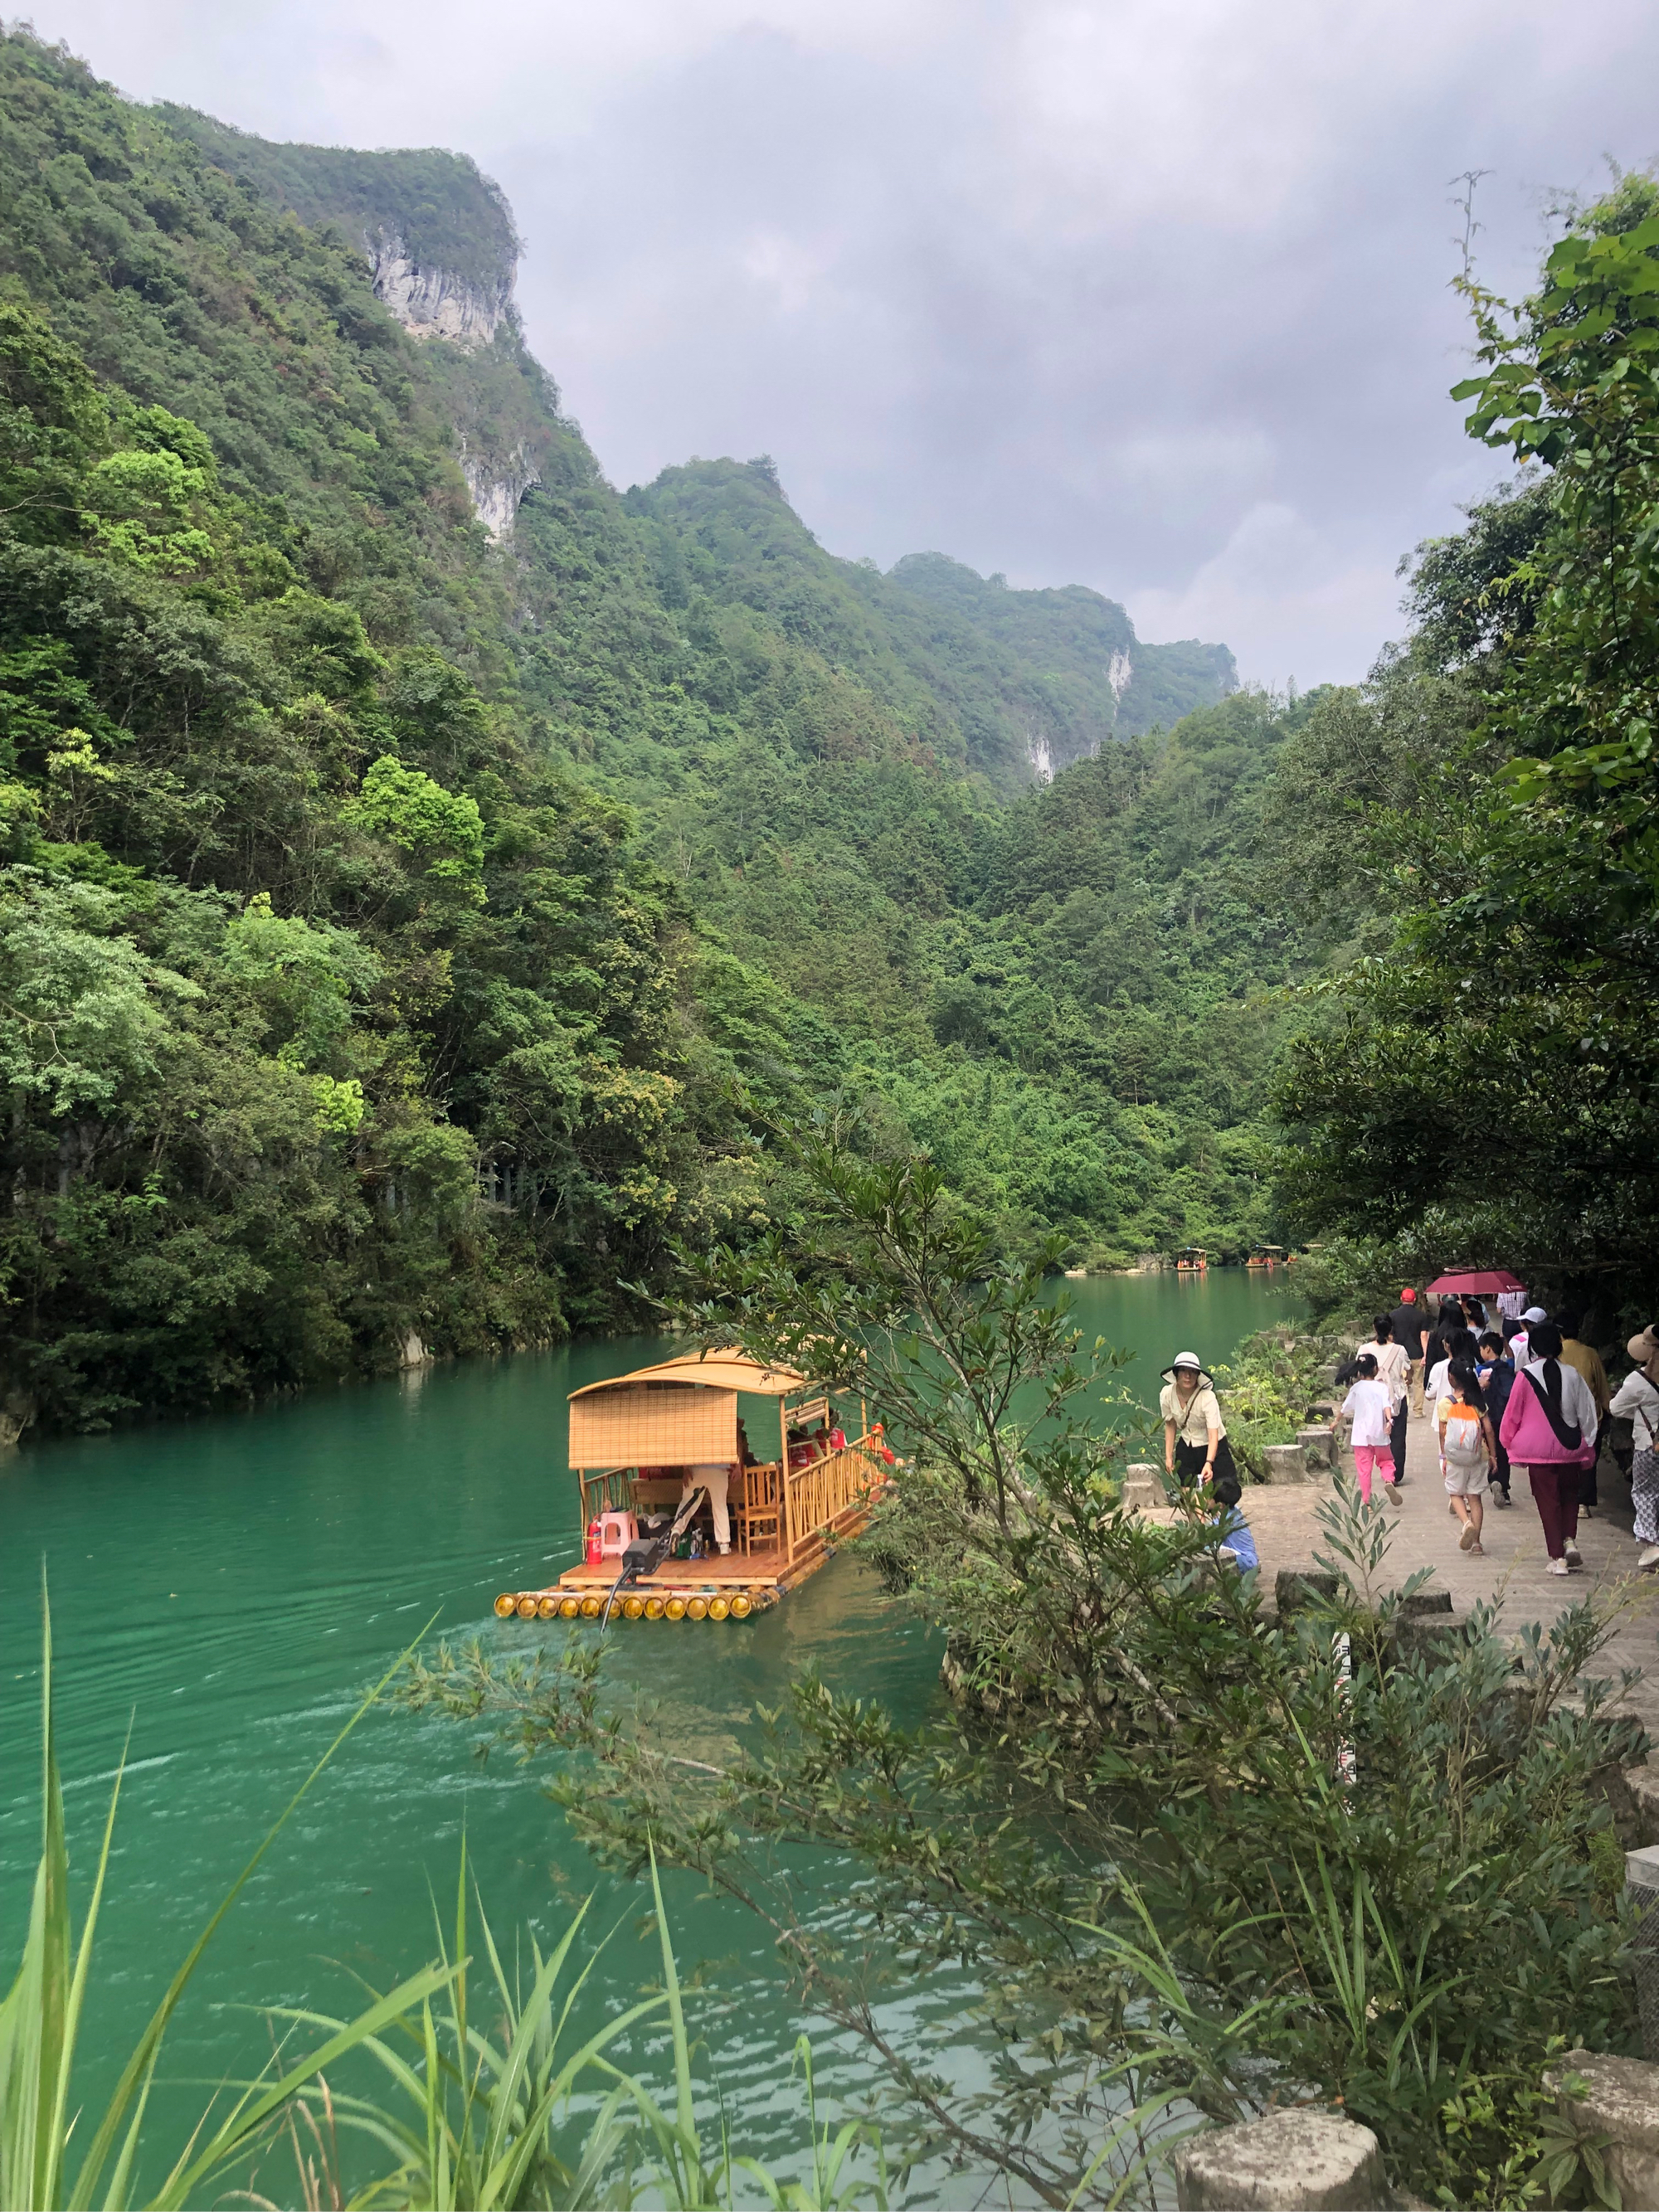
(633, 1568)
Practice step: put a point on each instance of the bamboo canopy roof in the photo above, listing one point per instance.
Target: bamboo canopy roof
(674, 1414)
(725, 1370)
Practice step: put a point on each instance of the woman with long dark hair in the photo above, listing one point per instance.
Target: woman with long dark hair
(1549, 1428)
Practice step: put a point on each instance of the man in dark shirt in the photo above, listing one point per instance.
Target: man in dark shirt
(1407, 1320)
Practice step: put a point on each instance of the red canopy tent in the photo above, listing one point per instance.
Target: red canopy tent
(1483, 1282)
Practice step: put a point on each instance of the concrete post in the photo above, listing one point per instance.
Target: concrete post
(1143, 1487)
(1292, 2162)
(1617, 2097)
(1319, 1447)
(1642, 1888)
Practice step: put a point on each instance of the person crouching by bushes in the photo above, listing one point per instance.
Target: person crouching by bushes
(1237, 1544)
(1195, 1447)
(1549, 1428)
(1469, 1450)
(1367, 1402)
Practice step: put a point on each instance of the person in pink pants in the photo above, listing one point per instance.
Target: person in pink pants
(1368, 1403)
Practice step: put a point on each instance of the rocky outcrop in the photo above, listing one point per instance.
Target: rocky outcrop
(1040, 754)
(497, 486)
(432, 302)
(1118, 673)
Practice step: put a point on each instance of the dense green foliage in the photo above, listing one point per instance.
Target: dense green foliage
(1494, 1091)
(402, 933)
(1187, 1858)
(433, 204)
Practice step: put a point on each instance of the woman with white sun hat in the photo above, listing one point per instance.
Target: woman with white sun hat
(1195, 1447)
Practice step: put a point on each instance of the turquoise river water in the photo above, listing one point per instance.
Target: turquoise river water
(232, 1583)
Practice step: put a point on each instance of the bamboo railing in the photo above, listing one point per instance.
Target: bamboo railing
(830, 1489)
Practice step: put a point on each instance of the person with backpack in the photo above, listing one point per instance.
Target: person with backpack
(1497, 1373)
(1637, 1399)
(1393, 1372)
(1549, 1426)
(1467, 1450)
(1367, 1402)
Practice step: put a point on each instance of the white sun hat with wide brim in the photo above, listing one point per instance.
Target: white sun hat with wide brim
(1193, 1365)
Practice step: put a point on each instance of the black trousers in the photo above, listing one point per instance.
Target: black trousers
(1397, 1440)
(1190, 1458)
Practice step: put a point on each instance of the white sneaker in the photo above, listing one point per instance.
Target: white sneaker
(1649, 1561)
(725, 1550)
(1393, 1496)
(1557, 1567)
(1575, 1558)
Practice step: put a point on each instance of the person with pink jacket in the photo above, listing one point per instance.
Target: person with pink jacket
(1549, 1428)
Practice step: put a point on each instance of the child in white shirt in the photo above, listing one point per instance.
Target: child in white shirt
(1369, 1404)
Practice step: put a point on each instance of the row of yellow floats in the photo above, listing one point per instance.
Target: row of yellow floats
(549, 1607)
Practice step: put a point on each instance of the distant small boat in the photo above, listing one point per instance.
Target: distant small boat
(634, 1441)
(1267, 1255)
(1192, 1259)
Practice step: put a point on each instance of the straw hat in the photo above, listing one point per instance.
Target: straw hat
(1644, 1349)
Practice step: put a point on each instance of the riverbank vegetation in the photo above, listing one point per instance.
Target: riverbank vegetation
(408, 936)
(1489, 1090)
(1188, 1857)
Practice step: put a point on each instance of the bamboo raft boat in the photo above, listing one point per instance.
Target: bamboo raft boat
(634, 1440)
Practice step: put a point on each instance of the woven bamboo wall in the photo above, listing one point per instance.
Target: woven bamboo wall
(653, 1425)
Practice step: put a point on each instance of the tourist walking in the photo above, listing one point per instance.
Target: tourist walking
(1406, 1324)
(1392, 1371)
(1437, 1348)
(1467, 1450)
(1588, 1360)
(1549, 1427)
(1636, 1399)
(1518, 1344)
(1497, 1372)
(1195, 1444)
(1367, 1405)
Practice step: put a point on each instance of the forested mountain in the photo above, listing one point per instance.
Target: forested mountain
(430, 872)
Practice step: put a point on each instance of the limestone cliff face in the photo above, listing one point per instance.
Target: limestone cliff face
(497, 484)
(496, 450)
(433, 302)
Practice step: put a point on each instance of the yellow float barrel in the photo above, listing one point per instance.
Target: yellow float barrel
(592, 1608)
(654, 1608)
(526, 1607)
(741, 1607)
(506, 1605)
(697, 1608)
(633, 1608)
(569, 1607)
(718, 1608)
(547, 1607)
(675, 1609)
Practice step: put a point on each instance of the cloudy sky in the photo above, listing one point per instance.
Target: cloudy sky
(1145, 296)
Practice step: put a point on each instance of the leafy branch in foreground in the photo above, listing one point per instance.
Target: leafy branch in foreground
(1131, 1853)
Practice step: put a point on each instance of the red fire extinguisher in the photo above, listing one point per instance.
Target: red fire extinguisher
(594, 1554)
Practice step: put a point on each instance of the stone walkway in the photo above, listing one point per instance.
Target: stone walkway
(1287, 1534)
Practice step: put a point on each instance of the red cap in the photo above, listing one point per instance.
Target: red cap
(1408, 1295)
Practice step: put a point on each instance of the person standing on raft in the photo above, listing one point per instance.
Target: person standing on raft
(1195, 1447)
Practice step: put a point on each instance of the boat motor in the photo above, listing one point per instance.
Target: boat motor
(646, 1553)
